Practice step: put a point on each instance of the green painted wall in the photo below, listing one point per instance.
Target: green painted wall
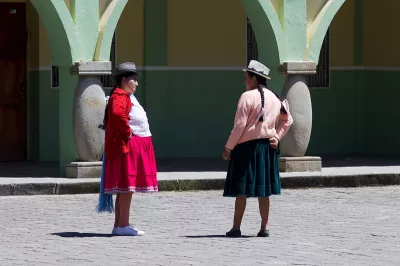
(194, 119)
(361, 105)
(67, 150)
(154, 84)
(357, 115)
(48, 120)
(334, 115)
(191, 112)
(381, 114)
(43, 118)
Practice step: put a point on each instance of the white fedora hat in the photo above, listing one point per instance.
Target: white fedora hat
(258, 68)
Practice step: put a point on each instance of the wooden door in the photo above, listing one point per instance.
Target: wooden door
(12, 82)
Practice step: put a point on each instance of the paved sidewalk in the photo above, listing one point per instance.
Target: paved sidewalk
(330, 226)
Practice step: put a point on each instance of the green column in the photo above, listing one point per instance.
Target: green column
(358, 32)
(156, 35)
(293, 15)
(75, 34)
(48, 118)
(67, 148)
(270, 38)
(359, 90)
(33, 83)
(154, 94)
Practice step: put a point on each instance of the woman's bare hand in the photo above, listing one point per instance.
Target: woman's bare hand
(274, 142)
(226, 155)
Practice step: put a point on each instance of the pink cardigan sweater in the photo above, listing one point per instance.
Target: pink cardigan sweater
(248, 127)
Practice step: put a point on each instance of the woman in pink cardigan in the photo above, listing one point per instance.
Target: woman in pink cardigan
(261, 121)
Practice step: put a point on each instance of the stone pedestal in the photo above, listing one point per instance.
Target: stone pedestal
(300, 164)
(84, 170)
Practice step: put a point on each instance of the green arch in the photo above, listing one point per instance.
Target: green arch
(266, 24)
(72, 41)
(60, 30)
(326, 16)
(269, 35)
(108, 23)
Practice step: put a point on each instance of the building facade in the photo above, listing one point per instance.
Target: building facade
(190, 54)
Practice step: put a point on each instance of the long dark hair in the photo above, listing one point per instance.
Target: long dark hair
(262, 83)
(118, 81)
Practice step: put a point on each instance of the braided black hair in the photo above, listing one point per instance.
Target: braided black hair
(262, 83)
(261, 90)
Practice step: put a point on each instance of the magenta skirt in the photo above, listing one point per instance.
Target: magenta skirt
(135, 171)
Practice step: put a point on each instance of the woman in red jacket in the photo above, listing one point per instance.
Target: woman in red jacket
(130, 164)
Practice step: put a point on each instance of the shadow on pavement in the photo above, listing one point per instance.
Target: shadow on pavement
(215, 236)
(81, 235)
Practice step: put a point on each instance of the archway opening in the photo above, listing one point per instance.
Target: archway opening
(345, 116)
(191, 70)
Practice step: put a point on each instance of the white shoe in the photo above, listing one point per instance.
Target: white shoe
(128, 231)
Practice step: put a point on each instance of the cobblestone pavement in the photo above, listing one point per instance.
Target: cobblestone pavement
(353, 226)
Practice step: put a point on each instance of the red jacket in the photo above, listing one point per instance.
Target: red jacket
(117, 128)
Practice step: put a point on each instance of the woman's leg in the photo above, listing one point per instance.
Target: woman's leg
(116, 222)
(263, 204)
(240, 206)
(124, 208)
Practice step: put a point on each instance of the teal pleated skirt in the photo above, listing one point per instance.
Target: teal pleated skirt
(253, 170)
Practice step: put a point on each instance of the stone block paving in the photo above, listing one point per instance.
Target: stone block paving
(350, 226)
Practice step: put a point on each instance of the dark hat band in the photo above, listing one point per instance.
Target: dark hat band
(253, 69)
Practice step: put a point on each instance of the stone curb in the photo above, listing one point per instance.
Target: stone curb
(54, 188)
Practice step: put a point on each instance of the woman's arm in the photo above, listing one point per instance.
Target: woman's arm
(240, 122)
(285, 121)
(120, 114)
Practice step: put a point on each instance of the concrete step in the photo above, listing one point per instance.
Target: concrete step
(186, 181)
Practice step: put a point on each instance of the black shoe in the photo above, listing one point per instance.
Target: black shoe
(234, 233)
(263, 233)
